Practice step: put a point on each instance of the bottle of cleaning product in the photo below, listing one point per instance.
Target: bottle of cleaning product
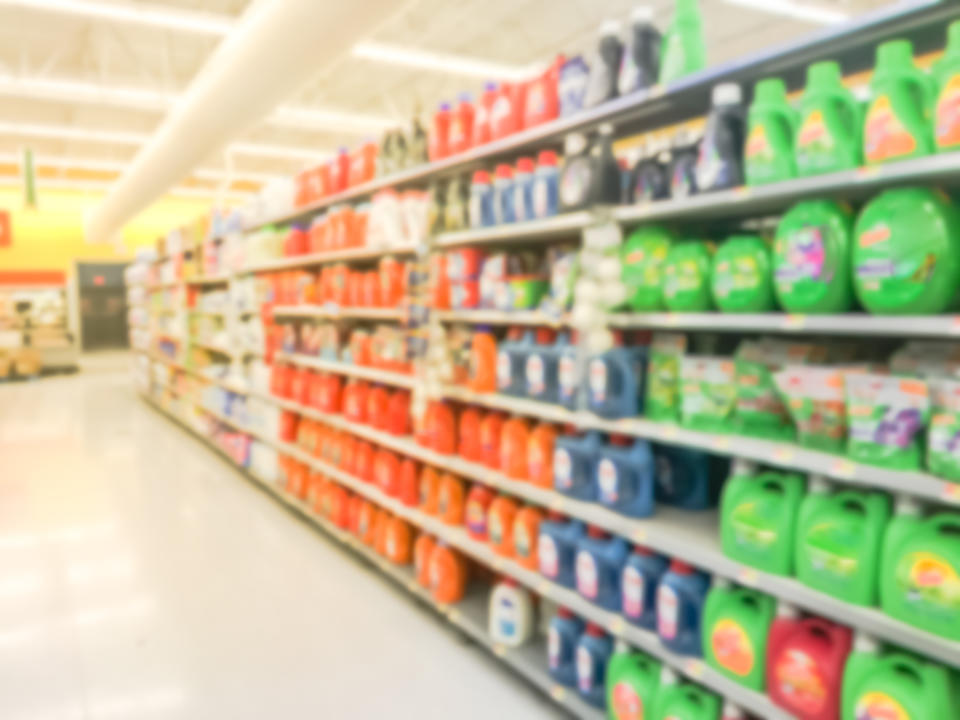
(736, 622)
(768, 154)
(892, 684)
(805, 662)
(828, 135)
(686, 277)
(906, 257)
(838, 542)
(642, 260)
(557, 548)
(514, 439)
(477, 507)
(651, 179)
(409, 490)
(886, 419)
(468, 432)
(811, 258)
(429, 490)
(512, 360)
(503, 208)
(511, 617)
(641, 576)
(920, 576)
(591, 175)
(616, 380)
(897, 122)
(569, 374)
(491, 428)
(526, 531)
(640, 65)
(662, 402)
(563, 635)
(572, 85)
(422, 549)
(685, 701)
(399, 541)
(680, 598)
(540, 368)
(684, 158)
(574, 461)
(688, 478)
(594, 649)
(741, 277)
(599, 565)
(758, 514)
(605, 65)
(481, 209)
(947, 73)
(720, 165)
(451, 498)
(483, 361)
(546, 179)
(540, 446)
(633, 680)
(684, 45)
(503, 512)
(625, 476)
(523, 190)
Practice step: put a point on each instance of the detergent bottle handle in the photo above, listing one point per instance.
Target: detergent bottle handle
(946, 524)
(906, 667)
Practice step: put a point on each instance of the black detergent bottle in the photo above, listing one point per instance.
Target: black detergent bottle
(650, 177)
(684, 157)
(640, 65)
(720, 164)
(591, 175)
(605, 66)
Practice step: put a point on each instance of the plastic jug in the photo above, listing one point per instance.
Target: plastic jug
(947, 111)
(503, 209)
(544, 193)
(685, 701)
(768, 154)
(758, 515)
(491, 427)
(540, 368)
(439, 430)
(687, 478)
(625, 476)
(526, 531)
(514, 439)
(594, 649)
(480, 211)
(605, 65)
(506, 116)
(386, 472)
(574, 461)
(461, 125)
(616, 381)
(468, 432)
(720, 164)
(511, 617)
(828, 134)
(651, 177)
(590, 175)
(512, 361)
(684, 46)
(440, 137)
(633, 680)
(557, 548)
(920, 577)
(477, 507)
(572, 85)
(838, 543)
(483, 361)
(365, 523)
(741, 275)
(422, 549)
(540, 446)
(568, 374)
(398, 413)
(542, 102)
(640, 64)
(599, 566)
(680, 598)
(897, 122)
(429, 490)
(805, 665)
(523, 190)
(503, 511)
(563, 635)
(736, 622)
(408, 488)
(642, 261)
(447, 572)
(481, 119)
(686, 277)
(639, 581)
(399, 541)
(451, 498)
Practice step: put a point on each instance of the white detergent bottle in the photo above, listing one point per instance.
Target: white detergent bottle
(511, 617)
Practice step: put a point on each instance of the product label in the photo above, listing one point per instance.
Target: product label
(476, 517)
(668, 610)
(519, 202)
(948, 114)
(499, 114)
(475, 209)
(536, 458)
(547, 554)
(929, 580)
(802, 256)
(732, 647)
(884, 135)
(758, 146)
(575, 182)
(584, 669)
(813, 133)
(554, 643)
(608, 481)
(436, 576)
(535, 375)
(562, 469)
(879, 706)
(626, 704)
(587, 582)
(632, 592)
(567, 376)
(832, 547)
(738, 274)
(754, 524)
(885, 411)
(521, 540)
(503, 371)
(496, 529)
(541, 200)
(506, 613)
(801, 682)
(598, 381)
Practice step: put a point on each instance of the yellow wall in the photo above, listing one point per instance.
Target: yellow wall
(51, 237)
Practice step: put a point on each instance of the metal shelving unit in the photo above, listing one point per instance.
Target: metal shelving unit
(335, 256)
(336, 312)
(530, 231)
(357, 371)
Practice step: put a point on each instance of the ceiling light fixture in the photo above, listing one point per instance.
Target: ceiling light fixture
(148, 15)
(102, 186)
(441, 62)
(799, 11)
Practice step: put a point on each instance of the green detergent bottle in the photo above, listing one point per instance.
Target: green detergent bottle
(685, 701)
(735, 624)
(771, 126)
(811, 258)
(892, 685)
(897, 122)
(642, 260)
(683, 50)
(741, 278)
(839, 541)
(828, 136)
(758, 514)
(920, 584)
(633, 681)
(686, 277)
(946, 118)
(906, 256)
(663, 376)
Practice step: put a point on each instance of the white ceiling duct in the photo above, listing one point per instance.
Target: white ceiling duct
(275, 49)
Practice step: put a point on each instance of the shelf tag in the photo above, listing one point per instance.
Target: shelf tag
(794, 322)
(747, 576)
(499, 650)
(639, 535)
(782, 453)
(693, 668)
(616, 626)
(557, 504)
(844, 469)
(721, 442)
(558, 693)
(868, 172)
(656, 91)
(742, 192)
(954, 328)
(498, 564)
(670, 432)
(951, 492)
(542, 587)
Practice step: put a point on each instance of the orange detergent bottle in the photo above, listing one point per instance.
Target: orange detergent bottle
(440, 428)
(297, 476)
(540, 455)
(429, 490)
(355, 401)
(367, 523)
(491, 427)
(483, 361)
(378, 400)
(380, 521)
(422, 550)
(514, 438)
(450, 500)
(353, 512)
(398, 413)
(331, 394)
(407, 491)
(399, 542)
(386, 472)
(338, 503)
(315, 490)
(526, 530)
(469, 434)
(478, 504)
(500, 519)
(348, 453)
(363, 461)
(447, 574)
(288, 424)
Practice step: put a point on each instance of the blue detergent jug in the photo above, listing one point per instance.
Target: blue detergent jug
(600, 559)
(568, 374)
(540, 377)
(574, 461)
(688, 479)
(680, 598)
(593, 653)
(562, 638)
(625, 476)
(557, 548)
(512, 360)
(638, 586)
(616, 380)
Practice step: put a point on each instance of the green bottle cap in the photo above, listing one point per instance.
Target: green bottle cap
(770, 90)
(953, 37)
(894, 55)
(824, 74)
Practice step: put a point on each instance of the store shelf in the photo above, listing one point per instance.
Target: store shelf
(330, 311)
(225, 384)
(298, 261)
(213, 347)
(530, 231)
(221, 279)
(502, 317)
(341, 368)
(210, 313)
(153, 287)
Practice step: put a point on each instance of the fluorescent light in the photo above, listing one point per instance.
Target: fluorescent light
(441, 62)
(148, 15)
(800, 11)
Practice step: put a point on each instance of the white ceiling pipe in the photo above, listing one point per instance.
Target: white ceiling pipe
(275, 49)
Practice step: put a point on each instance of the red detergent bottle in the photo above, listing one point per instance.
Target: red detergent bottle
(491, 427)
(543, 99)
(408, 487)
(481, 120)
(507, 112)
(386, 472)
(355, 401)
(377, 401)
(398, 413)
(440, 137)
(469, 434)
(461, 125)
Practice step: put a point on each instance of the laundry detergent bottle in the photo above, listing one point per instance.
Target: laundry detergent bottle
(720, 162)
(680, 599)
(685, 701)
(625, 476)
(633, 680)
(642, 260)
(947, 111)
(741, 276)
(688, 478)
(574, 463)
(640, 64)
(684, 49)
(736, 622)
(686, 277)
(771, 126)
(828, 136)
(897, 122)
(511, 614)
(641, 576)
(563, 634)
(540, 368)
(599, 566)
(594, 649)
(557, 548)
(512, 360)
(616, 380)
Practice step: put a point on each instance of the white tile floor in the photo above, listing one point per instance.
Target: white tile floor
(142, 578)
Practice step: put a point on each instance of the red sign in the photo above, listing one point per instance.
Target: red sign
(6, 231)
(98, 280)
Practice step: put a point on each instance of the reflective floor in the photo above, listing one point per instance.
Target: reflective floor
(140, 577)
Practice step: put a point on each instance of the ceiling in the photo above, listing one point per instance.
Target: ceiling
(85, 89)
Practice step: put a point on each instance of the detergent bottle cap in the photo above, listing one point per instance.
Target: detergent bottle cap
(594, 630)
(894, 54)
(481, 177)
(825, 73)
(444, 107)
(547, 157)
(490, 86)
(642, 550)
(465, 97)
(818, 485)
(609, 27)
(906, 505)
(564, 612)
(596, 532)
(545, 336)
(514, 333)
(680, 567)
(726, 94)
(525, 165)
(620, 440)
(667, 676)
(770, 90)
(641, 13)
(504, 171)
(787, 611)
(742, 467)
(863, 643)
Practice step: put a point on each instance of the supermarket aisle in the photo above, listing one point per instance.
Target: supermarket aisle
(142, 578)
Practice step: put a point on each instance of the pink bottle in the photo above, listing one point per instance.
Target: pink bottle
(440, 137)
